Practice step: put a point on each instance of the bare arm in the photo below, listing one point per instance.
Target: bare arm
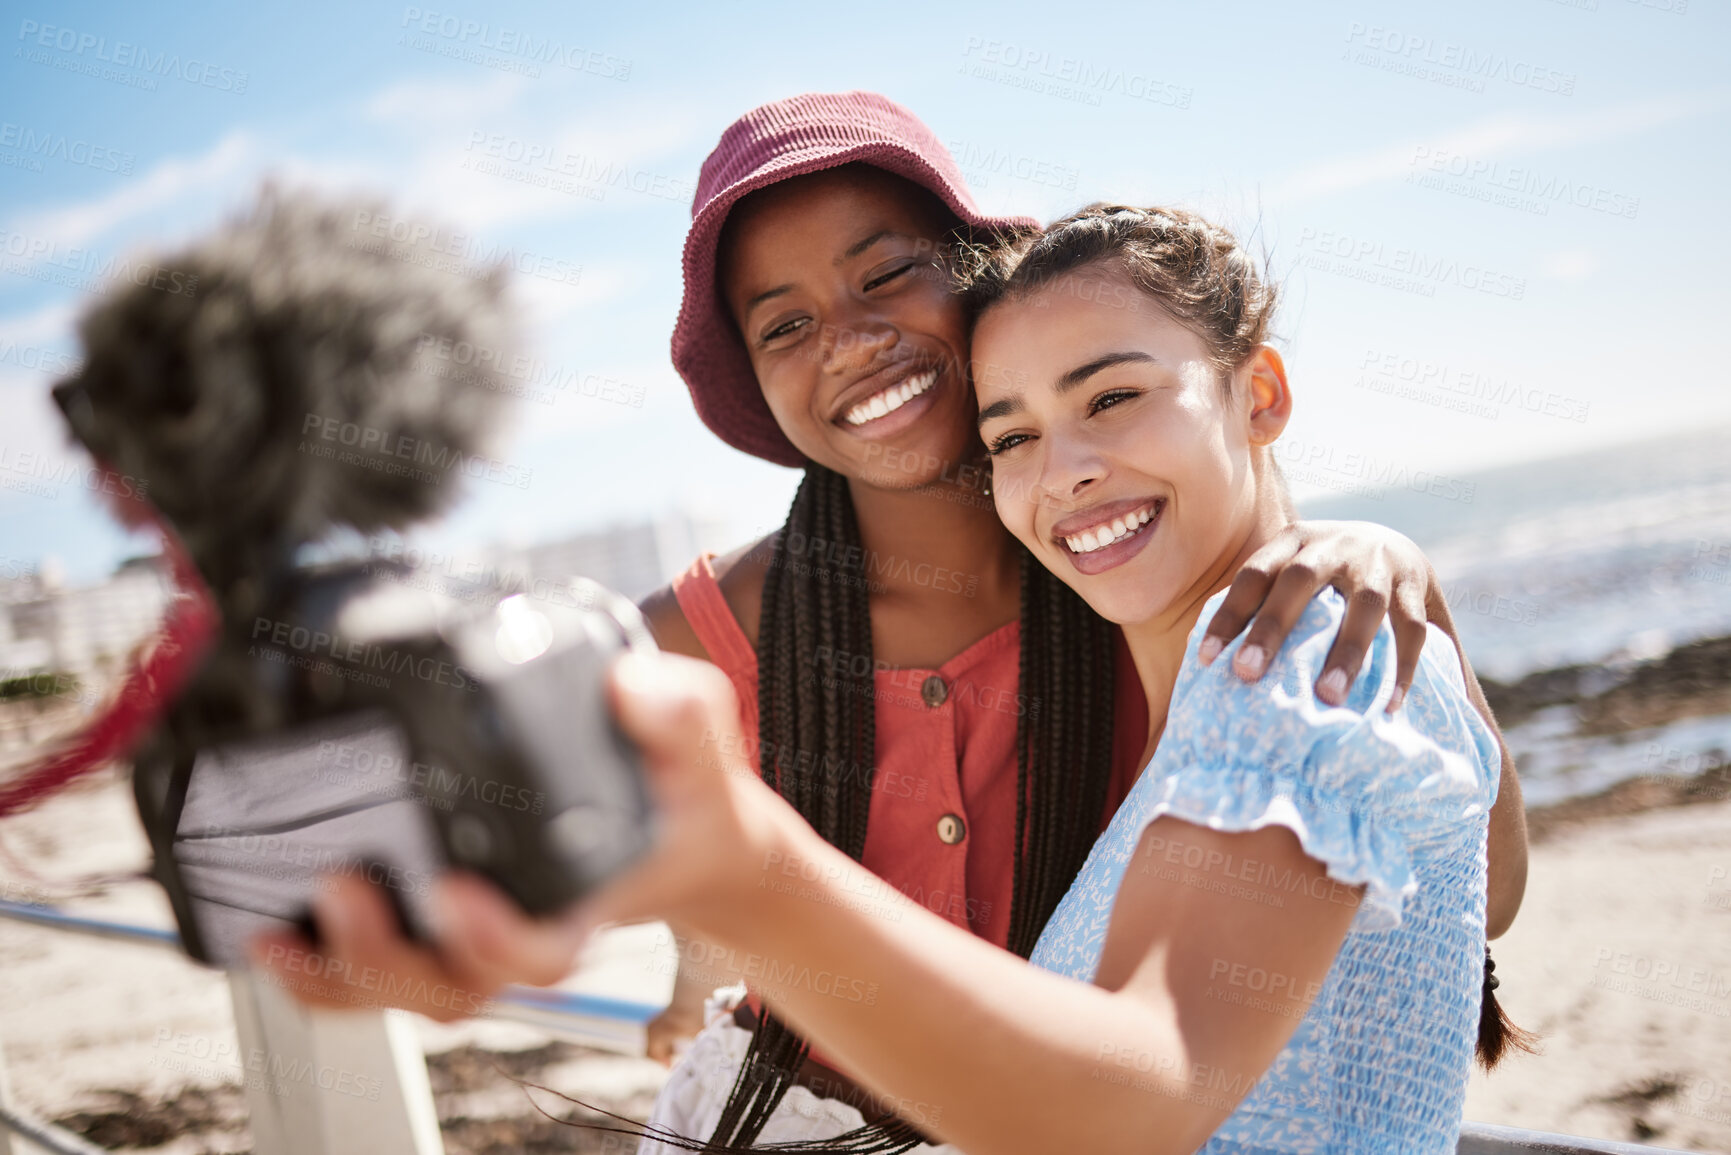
(1506, 851)
(1004, 1057)
(702, 967)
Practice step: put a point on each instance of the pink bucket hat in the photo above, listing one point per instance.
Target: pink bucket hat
(768, 144)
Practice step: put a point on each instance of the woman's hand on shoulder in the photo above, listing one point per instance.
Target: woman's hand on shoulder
(1380, 572)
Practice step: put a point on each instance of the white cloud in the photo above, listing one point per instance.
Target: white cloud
(167, 183)
(32, 425)
(518, 165)
(49, 325)
(1486, 139)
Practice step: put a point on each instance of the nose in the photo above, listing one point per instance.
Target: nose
(847, 347)
(1070, 468)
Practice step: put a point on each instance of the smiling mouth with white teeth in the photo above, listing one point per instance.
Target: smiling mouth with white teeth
(888, 400)
(1113, 531)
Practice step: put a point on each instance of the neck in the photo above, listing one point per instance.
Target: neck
(922, 543)
(1157, 645)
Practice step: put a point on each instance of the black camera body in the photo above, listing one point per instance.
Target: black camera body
(371, 727)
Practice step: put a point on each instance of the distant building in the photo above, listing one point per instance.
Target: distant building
(87, 632)
(62, 651)
(633, 559)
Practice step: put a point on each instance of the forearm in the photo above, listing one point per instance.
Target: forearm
(1506, 848)
(704, 965)
(1505, 853)
(1009, 1058)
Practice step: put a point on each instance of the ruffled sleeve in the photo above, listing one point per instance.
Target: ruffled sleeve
(1359, 788)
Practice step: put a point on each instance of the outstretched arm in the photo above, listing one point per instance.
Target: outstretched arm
(979, 1047)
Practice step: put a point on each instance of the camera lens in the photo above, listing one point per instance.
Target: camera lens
(470, 839)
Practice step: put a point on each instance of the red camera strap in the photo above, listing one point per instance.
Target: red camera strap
(155, 674)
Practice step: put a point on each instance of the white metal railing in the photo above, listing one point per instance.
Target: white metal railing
(382, 1045)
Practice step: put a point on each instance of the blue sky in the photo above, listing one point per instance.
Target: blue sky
(1498, 224)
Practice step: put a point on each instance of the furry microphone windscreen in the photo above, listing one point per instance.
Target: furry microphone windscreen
(294, 375)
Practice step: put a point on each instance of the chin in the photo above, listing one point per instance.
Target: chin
(916, 461)
(1124, 596)
(1117, 607)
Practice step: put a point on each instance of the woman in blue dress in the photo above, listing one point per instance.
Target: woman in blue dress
(1277, 944)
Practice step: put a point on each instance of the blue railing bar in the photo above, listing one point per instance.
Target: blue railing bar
(99, 928)
(554, 1002)
(576, 1003)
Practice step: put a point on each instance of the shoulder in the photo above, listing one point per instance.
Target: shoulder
(1280, 725)
(738, 574)
(667, 622)
(1358, 786)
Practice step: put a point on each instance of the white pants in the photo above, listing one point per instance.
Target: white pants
(690, 1103)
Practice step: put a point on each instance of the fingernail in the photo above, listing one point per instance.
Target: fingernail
(1250, 661)
(1209, 650)
(1395, 699)
(1332, 688)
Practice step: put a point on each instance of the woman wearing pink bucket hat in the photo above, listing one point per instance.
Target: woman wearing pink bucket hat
(929, 698)
(848, 364)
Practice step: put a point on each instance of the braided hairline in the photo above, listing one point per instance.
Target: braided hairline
(1197, 271)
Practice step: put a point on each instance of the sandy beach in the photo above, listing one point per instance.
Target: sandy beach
(1621, 960)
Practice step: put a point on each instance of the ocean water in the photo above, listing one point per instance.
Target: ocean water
(1618, 553)
(1612, 558)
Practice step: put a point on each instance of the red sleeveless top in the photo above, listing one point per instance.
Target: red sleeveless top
(942, 823)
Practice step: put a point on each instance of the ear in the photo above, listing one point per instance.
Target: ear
(1264, 379)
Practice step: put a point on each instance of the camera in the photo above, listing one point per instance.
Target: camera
(394, 733)
(339, 719)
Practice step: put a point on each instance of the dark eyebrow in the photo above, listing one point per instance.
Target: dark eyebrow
(1067, 382)
(853, 251)
(1081, 373)
(1002, 408)
(861, 246)
(778, 291)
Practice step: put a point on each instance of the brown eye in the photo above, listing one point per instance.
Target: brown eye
(784, 329)
(1110, 398)
(886, 278)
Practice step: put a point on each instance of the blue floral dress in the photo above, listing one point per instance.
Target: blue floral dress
(1401, 805)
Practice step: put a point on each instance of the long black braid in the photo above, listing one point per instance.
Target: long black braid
(817, 747)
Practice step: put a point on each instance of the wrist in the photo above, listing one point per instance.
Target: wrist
(748, 899)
